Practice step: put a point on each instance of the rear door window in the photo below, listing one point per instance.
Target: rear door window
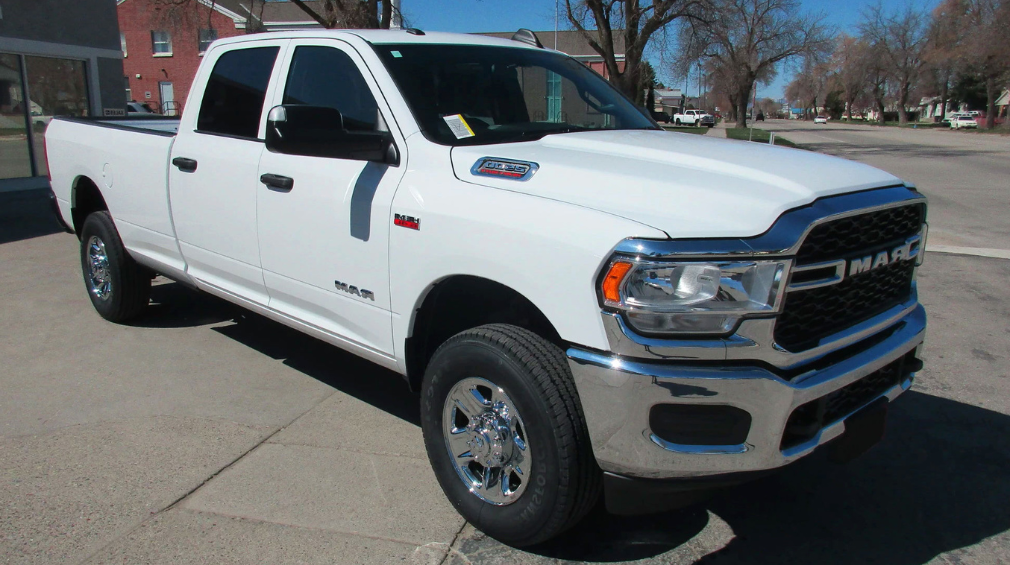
(233, 101)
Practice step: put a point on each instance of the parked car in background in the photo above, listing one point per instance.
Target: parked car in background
(40, 118)
(760, 117)
(138, 109)
(661, 117)
(694, 118)
(821, 120)
(963, 121)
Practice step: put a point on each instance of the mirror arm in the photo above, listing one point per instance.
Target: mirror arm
(392, 156)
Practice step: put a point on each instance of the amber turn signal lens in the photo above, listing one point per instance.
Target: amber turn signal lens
(612, 282)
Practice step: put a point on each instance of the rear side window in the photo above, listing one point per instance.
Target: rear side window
(233, 101)
(324, 76)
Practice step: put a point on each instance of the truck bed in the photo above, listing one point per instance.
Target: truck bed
(127, 160)
(158, 125)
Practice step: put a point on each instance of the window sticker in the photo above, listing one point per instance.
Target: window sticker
(458, 125)
(395, 54)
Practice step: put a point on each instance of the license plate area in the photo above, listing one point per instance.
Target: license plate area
(863, 430)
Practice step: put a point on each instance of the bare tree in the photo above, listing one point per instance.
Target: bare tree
(899, 39)
(356, 14)
(749, 38)
(851, 69)
(985, 50)
(943, 45)
(810, 85)
(600, 21)
(189, 14)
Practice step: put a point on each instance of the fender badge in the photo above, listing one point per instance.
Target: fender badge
(407, 221)
(504, 168)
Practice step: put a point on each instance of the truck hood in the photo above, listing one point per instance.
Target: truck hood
(684, 184)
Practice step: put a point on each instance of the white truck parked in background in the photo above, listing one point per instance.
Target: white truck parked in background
(585, 304)
(694, 118)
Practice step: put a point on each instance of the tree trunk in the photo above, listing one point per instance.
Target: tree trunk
(943, 98)
(990, 102)
(902, 100)
(741, 108)
(880, 109)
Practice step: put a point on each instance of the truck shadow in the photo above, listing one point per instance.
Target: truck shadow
(25, 215)
(937, 483)
(175, 306)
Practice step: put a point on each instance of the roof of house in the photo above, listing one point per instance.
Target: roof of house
(1004, 98)
(570, 42)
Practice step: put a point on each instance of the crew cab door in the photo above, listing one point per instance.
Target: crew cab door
(212, 176)
(324, 217)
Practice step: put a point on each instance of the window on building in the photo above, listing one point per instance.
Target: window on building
(233, 101)
(129, 91)
(15, 159)
(324, 76)
(56, 87)
(207, 36)
(161, 42)
(122, 43)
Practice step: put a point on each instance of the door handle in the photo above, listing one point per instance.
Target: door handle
(185, 165)
(277, 182)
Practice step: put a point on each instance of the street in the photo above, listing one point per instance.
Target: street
(207, 434)
(965, 174)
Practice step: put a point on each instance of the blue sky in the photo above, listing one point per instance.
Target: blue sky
(498, 15)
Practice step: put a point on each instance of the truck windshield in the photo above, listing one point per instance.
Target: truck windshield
(478, 95)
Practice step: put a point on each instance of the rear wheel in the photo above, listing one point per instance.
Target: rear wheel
(119, 288)
(505, 434)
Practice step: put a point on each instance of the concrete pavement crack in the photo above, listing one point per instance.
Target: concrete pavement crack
(225, 467)
(452, 545)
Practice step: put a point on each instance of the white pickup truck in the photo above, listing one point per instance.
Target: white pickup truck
(694, 118)
(586, 303)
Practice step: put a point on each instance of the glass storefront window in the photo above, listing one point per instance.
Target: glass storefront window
(15, 160)
(56, 87)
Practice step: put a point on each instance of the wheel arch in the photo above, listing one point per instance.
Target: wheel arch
(459, 302)
(85, 199)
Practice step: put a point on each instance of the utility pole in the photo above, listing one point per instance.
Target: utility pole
(556, 24)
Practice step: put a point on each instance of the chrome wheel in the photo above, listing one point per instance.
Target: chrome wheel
(99, 277)
(486, 440)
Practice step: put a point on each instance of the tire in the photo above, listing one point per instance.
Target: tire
(678, 121)
(561, 481)
(119, 288)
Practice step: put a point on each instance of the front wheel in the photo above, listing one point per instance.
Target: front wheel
(119, 288)
(505, 434)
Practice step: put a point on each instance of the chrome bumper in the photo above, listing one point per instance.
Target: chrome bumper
(617, 395)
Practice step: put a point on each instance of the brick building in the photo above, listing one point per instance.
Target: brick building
(163, 42)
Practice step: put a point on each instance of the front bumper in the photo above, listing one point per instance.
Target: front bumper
(618, 394)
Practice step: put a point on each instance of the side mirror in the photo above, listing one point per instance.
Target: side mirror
(318, 131)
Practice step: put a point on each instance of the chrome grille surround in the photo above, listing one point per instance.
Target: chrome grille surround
(754, 339)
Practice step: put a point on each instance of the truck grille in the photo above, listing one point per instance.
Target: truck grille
(865, 232)
(811, 315)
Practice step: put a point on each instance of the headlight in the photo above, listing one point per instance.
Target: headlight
(693, 297)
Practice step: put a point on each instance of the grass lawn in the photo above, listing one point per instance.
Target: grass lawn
(759, 136)
(688, 129)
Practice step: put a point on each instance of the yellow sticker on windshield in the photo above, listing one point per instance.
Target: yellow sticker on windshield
(458, 125)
